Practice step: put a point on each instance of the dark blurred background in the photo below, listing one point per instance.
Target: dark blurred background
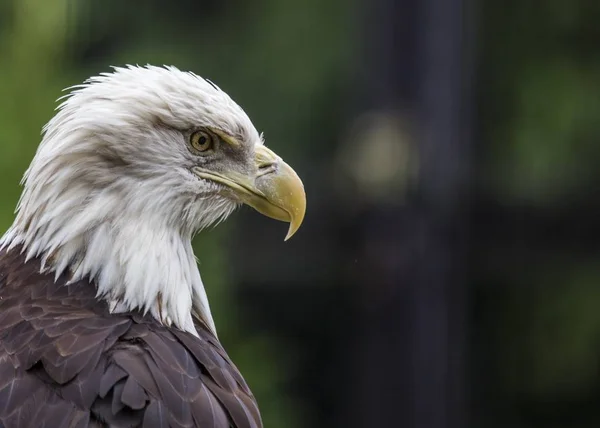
(447, 274)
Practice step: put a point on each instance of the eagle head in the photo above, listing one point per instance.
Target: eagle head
(132, 165)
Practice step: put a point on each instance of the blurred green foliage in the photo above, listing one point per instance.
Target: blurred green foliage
(549, 331)
(541, 93)
(30, 80)
(539, 98)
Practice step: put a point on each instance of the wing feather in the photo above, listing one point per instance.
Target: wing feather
(156, 415)
(65, 361)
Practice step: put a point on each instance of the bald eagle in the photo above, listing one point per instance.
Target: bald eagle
(104, 319)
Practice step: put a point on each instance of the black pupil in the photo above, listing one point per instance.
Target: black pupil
(202, 140)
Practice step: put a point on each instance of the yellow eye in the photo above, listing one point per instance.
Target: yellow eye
(202, 141)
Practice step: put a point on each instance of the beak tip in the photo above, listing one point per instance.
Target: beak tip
(291, 231)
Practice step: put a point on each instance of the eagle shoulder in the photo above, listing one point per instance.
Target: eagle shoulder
(65, 361)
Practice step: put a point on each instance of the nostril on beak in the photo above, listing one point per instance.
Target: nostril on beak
(266, 167)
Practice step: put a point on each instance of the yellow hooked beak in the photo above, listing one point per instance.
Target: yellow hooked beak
(275, 191)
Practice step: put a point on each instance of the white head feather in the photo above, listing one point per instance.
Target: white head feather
(110, 196)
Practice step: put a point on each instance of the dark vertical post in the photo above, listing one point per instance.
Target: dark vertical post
(412, 345)
(445, 76)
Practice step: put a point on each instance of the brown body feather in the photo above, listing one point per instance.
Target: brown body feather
(65, 361)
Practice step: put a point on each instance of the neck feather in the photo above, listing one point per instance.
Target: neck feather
(136, 261)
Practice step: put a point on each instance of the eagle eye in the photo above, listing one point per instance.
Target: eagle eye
(202, 140)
